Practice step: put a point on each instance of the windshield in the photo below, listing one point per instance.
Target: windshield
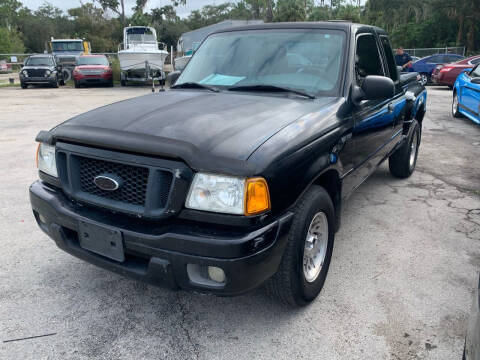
(309, 60)
(140, 35)
(67, 46)
(92, 60)
(39, 61)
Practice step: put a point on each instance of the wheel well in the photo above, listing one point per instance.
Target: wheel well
(330, 181)
(420, 114)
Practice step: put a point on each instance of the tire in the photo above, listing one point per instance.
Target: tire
(62, 82)
(55, 84)
(402, 162)
(110, 84)
(425, 79)
(76, 84)
(455, 112)
(295, 283)
(123, 83)
(23, 85)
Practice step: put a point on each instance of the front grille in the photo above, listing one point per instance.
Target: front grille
(36, 72)
(147, 186)
(92, 72)
(134, 179)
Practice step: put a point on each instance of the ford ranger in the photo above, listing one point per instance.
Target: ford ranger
(235, 177)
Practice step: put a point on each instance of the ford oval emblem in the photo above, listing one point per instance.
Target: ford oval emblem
(106, 182)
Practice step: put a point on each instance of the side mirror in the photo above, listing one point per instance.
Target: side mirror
(172, 77)
(475, 80)
(373, 88)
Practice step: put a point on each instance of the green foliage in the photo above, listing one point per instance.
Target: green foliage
(410, 23)
(10, 42)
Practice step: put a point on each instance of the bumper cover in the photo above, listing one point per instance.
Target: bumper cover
(248, 258)
(93, 80)
(38, 80)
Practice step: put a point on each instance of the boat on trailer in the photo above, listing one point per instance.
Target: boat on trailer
(141, 56)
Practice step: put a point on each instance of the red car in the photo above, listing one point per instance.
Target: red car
(92, 69)
(446, 74)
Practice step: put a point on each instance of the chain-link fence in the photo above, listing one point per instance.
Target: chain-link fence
(422, 52)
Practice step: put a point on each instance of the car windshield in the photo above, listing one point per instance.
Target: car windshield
(67, 46)
(39, 61)
(307, 60)
(92, 60)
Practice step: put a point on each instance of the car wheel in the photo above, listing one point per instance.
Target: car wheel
(455, 112)
(55, 84)
(110, 84)
(123, 83)
(76, 84)
(23, 85)
(424, 79)
(402, 162)
(62, 82)
(306, 259)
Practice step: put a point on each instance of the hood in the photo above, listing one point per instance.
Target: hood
(199, 127)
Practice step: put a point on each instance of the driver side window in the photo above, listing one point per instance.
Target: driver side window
(367, 58)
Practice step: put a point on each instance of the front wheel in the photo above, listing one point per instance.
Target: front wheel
(23, 85)
(455, 112)
(306, 259)
(402, 162)
(424, 79)
(55, 84)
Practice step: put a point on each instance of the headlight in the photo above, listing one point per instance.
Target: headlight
(228, 194)
(47, 73)
(46, 159)
(25, 73)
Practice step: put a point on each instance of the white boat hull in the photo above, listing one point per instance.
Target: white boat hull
(130, 60)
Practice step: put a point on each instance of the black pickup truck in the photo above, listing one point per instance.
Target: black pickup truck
(234, 177)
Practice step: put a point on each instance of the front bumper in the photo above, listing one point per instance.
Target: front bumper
(87, 80)
(38, 80)
(160, 255)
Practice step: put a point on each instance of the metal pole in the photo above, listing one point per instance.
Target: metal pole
(171, 55)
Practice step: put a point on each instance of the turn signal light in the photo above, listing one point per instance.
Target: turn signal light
(257, 197)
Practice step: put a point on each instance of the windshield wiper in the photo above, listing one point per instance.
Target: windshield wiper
(266, 87)
(194, 85)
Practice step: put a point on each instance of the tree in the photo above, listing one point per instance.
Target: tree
(117, 6)
(8, 12)
(10, 42)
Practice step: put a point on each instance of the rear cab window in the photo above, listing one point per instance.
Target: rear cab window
(387, 49)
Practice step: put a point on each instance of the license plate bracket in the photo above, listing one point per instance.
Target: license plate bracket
(101, 240)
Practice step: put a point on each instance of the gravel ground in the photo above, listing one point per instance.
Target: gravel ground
(404, 268)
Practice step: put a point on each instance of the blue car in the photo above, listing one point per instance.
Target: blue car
(426, 65)
(466, 95)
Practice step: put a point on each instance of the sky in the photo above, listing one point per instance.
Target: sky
(182, 11)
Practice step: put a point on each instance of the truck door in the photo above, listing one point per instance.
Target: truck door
(374, 119)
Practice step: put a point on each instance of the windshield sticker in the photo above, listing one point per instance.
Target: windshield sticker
(221, 80)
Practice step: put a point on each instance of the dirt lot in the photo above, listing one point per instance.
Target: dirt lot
(406, 262)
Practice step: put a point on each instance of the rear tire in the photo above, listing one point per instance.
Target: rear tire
(402, 162)
(306, 259)
(455, 112)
